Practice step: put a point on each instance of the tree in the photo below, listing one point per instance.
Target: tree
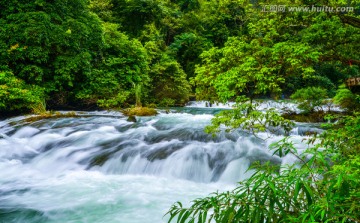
(251, 68)
(169, 83)
(103, 8)
(187, 48)
(216, 20)
(135, 15)
(125, 65)
(294, 46)
(53, 45)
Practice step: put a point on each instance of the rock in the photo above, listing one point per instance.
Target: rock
(140, 111)
(131, 118)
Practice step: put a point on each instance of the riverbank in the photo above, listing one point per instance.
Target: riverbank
(287, 108)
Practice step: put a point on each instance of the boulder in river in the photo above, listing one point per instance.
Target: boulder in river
(140, 111)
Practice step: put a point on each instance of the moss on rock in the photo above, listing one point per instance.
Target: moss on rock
(140, 111)
(48, 115)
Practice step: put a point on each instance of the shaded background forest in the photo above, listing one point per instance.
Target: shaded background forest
(79, 54)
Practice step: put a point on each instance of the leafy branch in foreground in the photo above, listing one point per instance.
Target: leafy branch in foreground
(262, 198)
(322, 187)
(247, 117)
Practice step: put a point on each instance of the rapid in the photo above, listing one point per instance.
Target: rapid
(99, 167)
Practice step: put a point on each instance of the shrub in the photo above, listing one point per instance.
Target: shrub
(310, 98)
(346, 99)
(17, 96)
(115, 101)
(167, 102)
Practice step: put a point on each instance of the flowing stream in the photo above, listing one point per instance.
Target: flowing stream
(99, 167)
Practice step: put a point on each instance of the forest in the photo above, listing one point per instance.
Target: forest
(96, 54)
(114, 54)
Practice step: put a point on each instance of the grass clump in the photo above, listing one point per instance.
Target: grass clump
(48, 115)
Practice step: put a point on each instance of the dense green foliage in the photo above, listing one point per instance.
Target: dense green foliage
(93, 53)
(51, 45)
(124, 65)
(310, 98)
(279, 53)
(347, 99)
(16, 95)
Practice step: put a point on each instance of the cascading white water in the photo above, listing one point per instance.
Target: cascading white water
(98, 167)
(280, 106)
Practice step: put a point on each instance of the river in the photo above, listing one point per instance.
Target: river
(99, 167)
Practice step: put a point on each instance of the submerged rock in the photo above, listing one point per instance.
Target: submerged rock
(131, 118)
(100, 159)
